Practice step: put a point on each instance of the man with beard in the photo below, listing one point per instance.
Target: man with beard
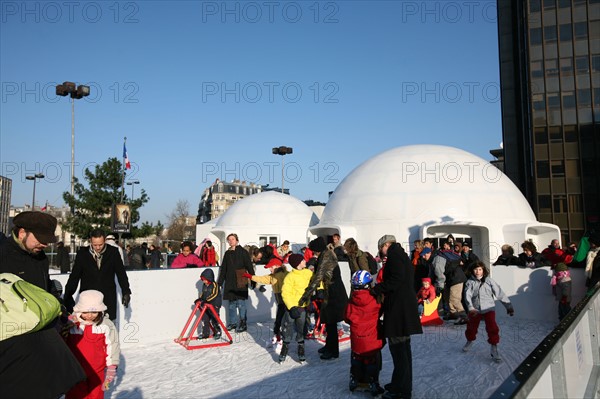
(42, 355)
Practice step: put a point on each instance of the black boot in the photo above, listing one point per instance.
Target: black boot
(301, 355)
(217, 335)
(376, 389)
(242, 327)
(353, 383)
(284, 352)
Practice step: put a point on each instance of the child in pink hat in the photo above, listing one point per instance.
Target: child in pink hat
(94, 341)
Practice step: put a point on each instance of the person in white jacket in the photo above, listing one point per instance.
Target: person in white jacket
(480, 297)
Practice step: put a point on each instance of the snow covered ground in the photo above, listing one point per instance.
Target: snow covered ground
(248, 369)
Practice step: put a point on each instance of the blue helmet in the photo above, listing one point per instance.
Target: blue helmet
(361, 278)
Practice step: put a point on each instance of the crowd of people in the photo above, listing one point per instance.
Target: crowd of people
(78, 354)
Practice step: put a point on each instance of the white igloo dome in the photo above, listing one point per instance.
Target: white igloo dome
(268, 208)
(425, 183)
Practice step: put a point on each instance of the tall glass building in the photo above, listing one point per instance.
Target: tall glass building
(550, 87)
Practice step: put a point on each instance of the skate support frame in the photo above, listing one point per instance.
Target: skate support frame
(319, 331)
(186, 337)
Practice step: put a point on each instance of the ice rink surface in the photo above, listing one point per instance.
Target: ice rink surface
(249, 369)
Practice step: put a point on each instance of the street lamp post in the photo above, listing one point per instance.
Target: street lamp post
(132, 183)
(34, 178)
(77, 93)
(283, 150)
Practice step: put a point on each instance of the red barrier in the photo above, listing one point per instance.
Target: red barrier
(187, 339)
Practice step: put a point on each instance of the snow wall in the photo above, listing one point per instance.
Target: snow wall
(162, 300)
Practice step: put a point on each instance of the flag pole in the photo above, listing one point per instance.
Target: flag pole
(123, 180)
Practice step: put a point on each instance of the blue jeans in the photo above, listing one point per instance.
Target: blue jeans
(234, 306)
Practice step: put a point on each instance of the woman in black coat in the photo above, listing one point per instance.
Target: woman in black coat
(334, 304)
(400, 315)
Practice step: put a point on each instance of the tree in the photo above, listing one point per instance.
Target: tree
(177, 220)
(93, 204)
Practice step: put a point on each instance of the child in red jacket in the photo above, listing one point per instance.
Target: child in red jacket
(94, 341)
(362, 314)
(425, 295)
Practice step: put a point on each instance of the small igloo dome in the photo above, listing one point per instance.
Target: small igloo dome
(268, 208)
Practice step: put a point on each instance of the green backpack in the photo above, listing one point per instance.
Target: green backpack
(24, 307)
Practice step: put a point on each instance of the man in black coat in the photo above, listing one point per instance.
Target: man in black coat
(236, 262)
(96, 266)
(37, 364)
(400, 314)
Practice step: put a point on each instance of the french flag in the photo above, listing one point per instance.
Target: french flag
(126, 158)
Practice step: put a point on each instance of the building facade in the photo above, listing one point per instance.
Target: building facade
(5, 194)
(550, 88)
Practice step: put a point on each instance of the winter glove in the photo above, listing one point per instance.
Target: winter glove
(262, 288)
(305, 299)
(473, 313)
(438, 291)
(126, 300)
(66, 324)
(247, 275)
(320, 294)
(510, 311)
(111, 374)
(198, 302)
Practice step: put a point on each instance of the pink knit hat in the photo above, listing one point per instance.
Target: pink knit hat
(90, 301)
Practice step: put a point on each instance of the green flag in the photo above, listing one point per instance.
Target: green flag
(582, 250)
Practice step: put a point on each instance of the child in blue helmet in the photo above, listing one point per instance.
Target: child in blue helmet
(362, 314)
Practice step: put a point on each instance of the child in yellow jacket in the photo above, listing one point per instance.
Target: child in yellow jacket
(294, 285)
(278, 273)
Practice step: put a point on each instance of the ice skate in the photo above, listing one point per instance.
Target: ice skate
(468, 346)
(353, 384)
(375, 389)
(242, 327)
(495, 354)
(283, 353)
(301, 354)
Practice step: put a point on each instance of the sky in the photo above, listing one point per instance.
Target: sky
(205, 89)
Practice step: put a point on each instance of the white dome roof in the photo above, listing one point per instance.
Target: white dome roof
(268, 208)
(426, 183)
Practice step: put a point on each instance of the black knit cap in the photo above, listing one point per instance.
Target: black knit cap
(317, 245)
(41, 224)
(295, 259)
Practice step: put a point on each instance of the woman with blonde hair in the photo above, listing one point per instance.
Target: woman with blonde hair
(357, 259)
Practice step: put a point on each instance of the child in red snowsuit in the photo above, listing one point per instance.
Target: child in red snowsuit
(426, 294)
(94, 341)
(362, 314)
